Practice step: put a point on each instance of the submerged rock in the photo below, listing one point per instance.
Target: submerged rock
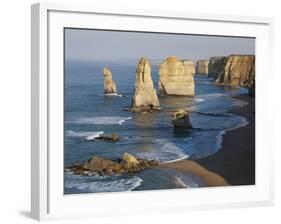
(239, 70)
(176, 77)
(216, 66)
(181, 120)
(113, 137)
(144, 97)
(109, 84)
(100, 166)
(202, 67)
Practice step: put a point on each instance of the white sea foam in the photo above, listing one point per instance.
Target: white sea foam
(163, 151)
(89, 135)
(239, 103)
(93, 136)
(243, 123)
(204, 82)
(199, 100)
(113, 94)
(185, 181)
(101, 120)
(106, 185)
(213, 95)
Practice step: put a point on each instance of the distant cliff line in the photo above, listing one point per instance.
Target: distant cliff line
(176, 77)
(235, 69)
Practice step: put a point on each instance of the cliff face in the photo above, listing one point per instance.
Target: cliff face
(109, 84)
(202, 67)
(239, 70)
(145, 97)
(216, 66)
(176, 77)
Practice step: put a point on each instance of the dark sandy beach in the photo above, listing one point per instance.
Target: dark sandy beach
(235, 162)
(236, 159)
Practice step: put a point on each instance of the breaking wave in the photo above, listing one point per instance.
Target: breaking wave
(163, 151)
(185, 181)
(100, 120)
(80, 184)
(113, 94)
(83, 133)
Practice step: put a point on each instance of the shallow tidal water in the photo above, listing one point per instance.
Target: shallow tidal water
(89, 113)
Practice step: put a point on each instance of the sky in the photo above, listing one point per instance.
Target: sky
(85, 44)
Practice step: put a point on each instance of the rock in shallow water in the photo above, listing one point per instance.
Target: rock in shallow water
(113, 137)
(181, 120)
(101, 166)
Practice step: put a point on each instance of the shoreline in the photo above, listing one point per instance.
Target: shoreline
(211, 179)
(234, 163)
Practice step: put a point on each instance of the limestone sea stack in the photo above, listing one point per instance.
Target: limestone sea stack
(202, 67)
(176, 77)
(145, 97)
(216, 66)
(239, 70)
(189, 65)
(109, 84)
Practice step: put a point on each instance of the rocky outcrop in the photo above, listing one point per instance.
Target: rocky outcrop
(239, 70)
(128, 158)
(100, 166)
(113, 137)
(202, 67)
(144, 97)
(109, 84)
(216, 66)
(181, 119)
(176, 77)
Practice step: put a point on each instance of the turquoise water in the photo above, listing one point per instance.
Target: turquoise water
(151, 136)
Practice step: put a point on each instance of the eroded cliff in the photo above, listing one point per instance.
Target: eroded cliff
(239, 70)
(216, 66)
(202, 67)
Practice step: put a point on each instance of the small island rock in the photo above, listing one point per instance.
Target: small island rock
(100, 166)
(113, 137)
(181, 120)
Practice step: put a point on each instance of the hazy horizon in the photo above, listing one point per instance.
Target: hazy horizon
(85, 44)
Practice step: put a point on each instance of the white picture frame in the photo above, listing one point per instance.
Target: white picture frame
(48, 201)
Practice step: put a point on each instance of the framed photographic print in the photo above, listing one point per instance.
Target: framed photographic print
(148, 111)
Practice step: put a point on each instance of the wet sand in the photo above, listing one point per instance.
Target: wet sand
(211, 179)
(234, 163)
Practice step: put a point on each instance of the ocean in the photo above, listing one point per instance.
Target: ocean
(89, 113)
